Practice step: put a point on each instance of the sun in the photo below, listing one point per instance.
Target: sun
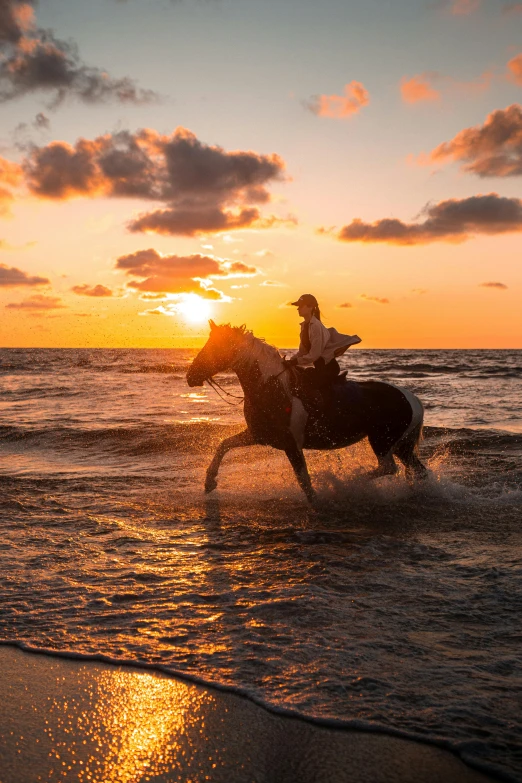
(194, 308)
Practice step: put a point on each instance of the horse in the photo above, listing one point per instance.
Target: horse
(389, 416)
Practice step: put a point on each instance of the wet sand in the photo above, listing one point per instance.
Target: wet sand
(73, 720)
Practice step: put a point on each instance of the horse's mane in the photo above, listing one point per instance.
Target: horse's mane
(236, 330)
(242, 331)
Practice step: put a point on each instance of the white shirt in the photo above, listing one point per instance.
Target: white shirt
(324, 342)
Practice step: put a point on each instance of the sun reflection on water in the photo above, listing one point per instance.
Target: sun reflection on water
(137, 727)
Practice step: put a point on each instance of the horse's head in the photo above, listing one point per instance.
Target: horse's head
(217, 354)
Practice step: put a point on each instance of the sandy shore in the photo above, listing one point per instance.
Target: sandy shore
(85, 721)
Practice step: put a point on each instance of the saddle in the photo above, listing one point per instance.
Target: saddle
(315, 401)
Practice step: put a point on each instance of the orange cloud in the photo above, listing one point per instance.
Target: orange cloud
(493, 149)
(16, 18)
(515, 68)
(418, 89)
(87, 290)
(37, 302)
(11, 276)
(376, 299)
(10, 175)
(179, 274)
(463, 7)
(448, 221)
(499, 286)
(340, 106)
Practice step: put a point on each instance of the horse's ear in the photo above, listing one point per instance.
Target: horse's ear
(212, 325)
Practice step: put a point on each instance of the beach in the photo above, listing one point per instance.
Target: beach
(87, 721)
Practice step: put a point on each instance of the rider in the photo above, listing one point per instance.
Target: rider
(319, 346)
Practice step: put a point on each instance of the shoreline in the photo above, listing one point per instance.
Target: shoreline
(75, 718)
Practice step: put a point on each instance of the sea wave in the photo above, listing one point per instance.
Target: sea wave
(140, 440)
(151, 439)
(464, 439)
(422, 369)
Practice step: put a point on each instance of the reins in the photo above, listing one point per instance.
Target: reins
(215, 385)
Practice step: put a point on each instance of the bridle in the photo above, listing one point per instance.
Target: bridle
(215, 385)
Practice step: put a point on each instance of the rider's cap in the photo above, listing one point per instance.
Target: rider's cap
(306, 299)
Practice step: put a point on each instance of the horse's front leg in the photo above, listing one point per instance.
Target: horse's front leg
(298, 462)
(234, 442)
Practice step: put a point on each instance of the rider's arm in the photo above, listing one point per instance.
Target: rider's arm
(315, 333)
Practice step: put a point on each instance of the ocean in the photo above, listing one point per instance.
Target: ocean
(392, 607)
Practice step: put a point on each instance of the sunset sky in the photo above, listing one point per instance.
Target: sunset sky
(167, 161)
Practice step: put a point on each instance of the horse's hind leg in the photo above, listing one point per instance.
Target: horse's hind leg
(235, 441)
(406, 450)
(387, 465)
(380, 443)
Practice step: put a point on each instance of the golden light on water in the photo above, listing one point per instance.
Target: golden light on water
(138, 726)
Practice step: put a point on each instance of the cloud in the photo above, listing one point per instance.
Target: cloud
(419, 291)
(340, 106)
(376, 299)
(418, 89)
(453, 220)
(237, 269)
(205, 188)
(463, 7)
(33, 59)
(499, 286)
(153, 297)
(458, 7)
(87, 290)
(514, 67)
(10, 173)
(10, 176)
(37, 302)
(179, 274)
(41, 121)
(11, 276)
(189, 222)
(16, 17)
(273, 284)
(345, 305)
(512, 8)
(493, 149)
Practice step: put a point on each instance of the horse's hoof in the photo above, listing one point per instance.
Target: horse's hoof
(414, 475)
(210, 484)
(380, 472)
(313, 501)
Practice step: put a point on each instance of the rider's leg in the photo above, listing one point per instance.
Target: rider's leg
(234, 442)
(325, 376)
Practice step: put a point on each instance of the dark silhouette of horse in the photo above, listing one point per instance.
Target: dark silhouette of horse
(389, 416)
